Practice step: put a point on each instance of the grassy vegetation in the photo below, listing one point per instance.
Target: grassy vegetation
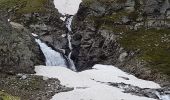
(116, 1)
(88, 2)
(115, 16)
(24, 6)
(6, 96)
(107, 21)
(154, 46)
(116, 29)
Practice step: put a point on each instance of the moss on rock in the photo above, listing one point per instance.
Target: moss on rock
(154, 47)
(23, 6)
(6, 96)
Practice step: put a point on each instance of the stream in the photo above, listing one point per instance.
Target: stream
(54, 58)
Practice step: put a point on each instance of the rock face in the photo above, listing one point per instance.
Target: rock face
(46, 24)
(19, 53)
(131, 34)
(39, 17)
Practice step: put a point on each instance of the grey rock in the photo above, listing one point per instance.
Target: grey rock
(19, 53)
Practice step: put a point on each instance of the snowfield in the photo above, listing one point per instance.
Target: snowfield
(69, 7)
(92, 84)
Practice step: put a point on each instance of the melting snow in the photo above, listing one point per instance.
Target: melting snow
(35, 35)
(88, 84)
(67, 6)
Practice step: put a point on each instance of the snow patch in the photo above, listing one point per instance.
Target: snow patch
(35, 35)
(90, 84)
(99, 92)
(106, 73)
(69, 7)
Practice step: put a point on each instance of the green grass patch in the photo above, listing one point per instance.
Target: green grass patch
(154, 46)
(6, 96)
(88, 2)
(23, 6)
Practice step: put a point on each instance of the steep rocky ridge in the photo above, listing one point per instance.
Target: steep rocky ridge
(18, 51)
(131, 34)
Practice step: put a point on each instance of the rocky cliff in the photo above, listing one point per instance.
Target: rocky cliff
(40, 17)
(131, 34)
(19, 53)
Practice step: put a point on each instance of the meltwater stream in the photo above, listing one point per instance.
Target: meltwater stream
(52, 57)
(68, 25)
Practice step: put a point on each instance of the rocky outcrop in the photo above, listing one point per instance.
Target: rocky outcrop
(30, 87)
(131, 34)
(46, 24)
(19, 53)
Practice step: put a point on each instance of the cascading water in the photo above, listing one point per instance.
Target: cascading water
(68, 25)
(68, 7)
(53, 58)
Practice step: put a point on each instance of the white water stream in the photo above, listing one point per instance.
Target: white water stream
(68, 25)
(53, 58)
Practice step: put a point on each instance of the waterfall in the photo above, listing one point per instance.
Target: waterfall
(68, 7)
(68, 25)
(53, 58)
